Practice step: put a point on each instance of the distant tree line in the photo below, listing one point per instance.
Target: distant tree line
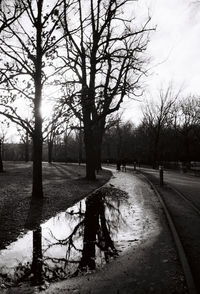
(168, 132)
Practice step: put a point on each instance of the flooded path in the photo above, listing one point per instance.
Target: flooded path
(85, 237)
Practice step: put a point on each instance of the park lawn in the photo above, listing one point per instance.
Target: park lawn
(64, 184)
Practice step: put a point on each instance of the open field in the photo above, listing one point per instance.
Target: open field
(64, 184)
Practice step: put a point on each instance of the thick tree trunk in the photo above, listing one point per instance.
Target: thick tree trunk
(93, 135)
(37, 190)
(34, 217)
(90, 154)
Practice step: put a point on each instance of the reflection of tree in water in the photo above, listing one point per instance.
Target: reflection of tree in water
(92, 224)
(101, 217)
(96, 232)
(29, 270)
(33, 223)
(37, 263)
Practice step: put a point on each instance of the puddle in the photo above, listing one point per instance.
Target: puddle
(84, 237)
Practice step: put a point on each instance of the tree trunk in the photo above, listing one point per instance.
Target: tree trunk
(26, 148)
(93, 134)
(1, 161)
(50, 150)
(37, 190)
(90, 154)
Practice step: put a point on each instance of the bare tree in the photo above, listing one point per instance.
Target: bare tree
(56, 125)
(24, 138)
(159, 114)
(29, 45)
(187, 121)
(104, 60)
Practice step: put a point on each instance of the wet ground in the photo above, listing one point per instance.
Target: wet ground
(117, 241)
(63, 184)
(180, 193)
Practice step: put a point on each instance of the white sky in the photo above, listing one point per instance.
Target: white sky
(174, 49)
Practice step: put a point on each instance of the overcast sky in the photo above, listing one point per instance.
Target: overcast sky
(174, 47)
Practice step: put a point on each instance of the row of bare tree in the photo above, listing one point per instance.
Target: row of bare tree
(81, 56)
(169, 131)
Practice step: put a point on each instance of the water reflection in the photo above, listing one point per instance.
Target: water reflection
(96, 232)
(33, 223)
(80, 239)
(37, 260)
